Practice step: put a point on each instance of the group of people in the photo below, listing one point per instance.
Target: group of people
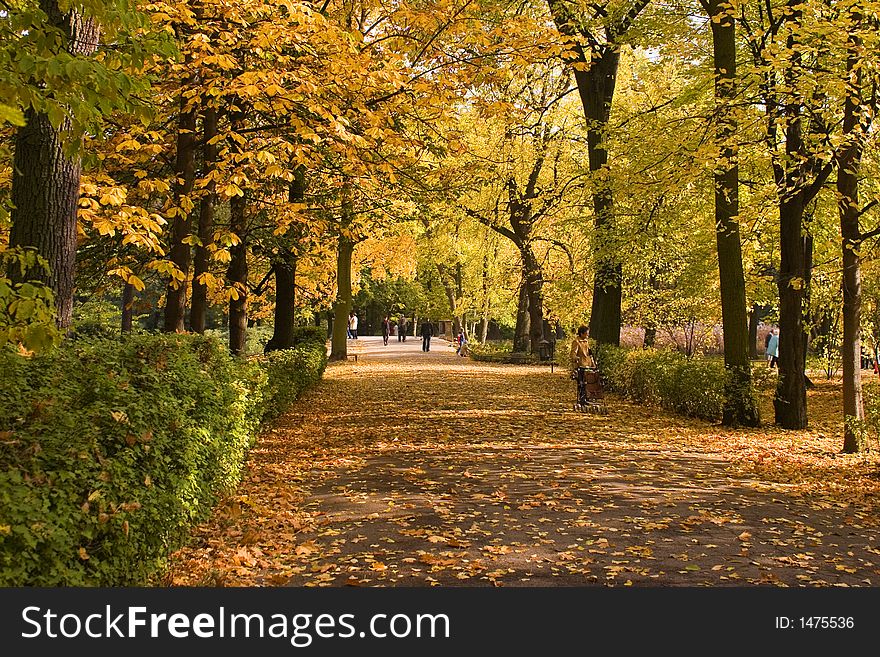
(402, 328)
(352, 326)
(426, 331)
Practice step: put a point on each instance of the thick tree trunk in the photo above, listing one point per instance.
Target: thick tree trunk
(180, 253)
(45, 180)
(596, 88)
(199, 303)
(807, 302)
(237, 277)
(45, 193)
(754, 318)
(740, 407)
(285, 300)
(127, 303)
(790, 403)
(535, 289)
(848, 165)
(451, 281)
(284, 269)
(484, 319)
(521, 332)
(342, 307)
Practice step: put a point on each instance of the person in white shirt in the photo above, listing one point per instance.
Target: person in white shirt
(353, 325)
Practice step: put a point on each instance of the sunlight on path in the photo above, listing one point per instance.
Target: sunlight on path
(414, 468)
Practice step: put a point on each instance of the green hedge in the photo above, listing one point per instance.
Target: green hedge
(110, 451)
(666, 378)
(309, 334)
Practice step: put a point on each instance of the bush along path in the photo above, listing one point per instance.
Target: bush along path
(111, 450)
(408, 468)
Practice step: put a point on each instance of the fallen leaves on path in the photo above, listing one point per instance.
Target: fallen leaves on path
(437, 470)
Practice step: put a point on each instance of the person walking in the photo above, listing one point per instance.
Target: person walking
(580, 358)
(401, 329)
(353, 325)
(773, 349)
(386, 329)
(427, 332)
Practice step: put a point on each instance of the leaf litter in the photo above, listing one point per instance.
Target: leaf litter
(432, 470)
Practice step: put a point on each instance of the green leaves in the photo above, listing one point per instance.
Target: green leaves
(111, 450)
(27, 309)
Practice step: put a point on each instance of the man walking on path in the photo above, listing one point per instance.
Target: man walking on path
(386, 329)
(401, 329)
(427, 332)
(353, 325)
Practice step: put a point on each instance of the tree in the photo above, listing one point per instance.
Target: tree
(858, 116)
(740, 407)
(796, 136)
(47, 169)
(594, 58)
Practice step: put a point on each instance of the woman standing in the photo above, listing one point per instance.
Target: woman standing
(773, 349)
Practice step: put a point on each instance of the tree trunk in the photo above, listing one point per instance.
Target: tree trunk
(848, 165)
(237, 277)
(790, 403)
(45, 179)
(807, 302)
(596, 88)
(535, 289)
(521, 332)
(484, 319)
(285, 300)
(199, 303)
(180, 253)
(740, 407)
(650, 337)
(284, 269)
(127, 303)
(342, 307)
(451, 282)
(754, 318)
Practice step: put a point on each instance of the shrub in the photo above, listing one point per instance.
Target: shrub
(693, 387)
(111, 450)
(500, 352)
(309, 334)
(290, 371)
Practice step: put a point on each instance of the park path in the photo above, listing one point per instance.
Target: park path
(407, 468)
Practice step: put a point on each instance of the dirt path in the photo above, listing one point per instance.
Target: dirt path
(408, 468)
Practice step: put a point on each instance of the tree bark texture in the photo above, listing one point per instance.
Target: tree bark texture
(179, 252)
(285, 299)
(535, 289)
(848, 165)
(127, 303)
(46, 178)
(237, 276)
(790, 402)
(202, 260)
(754, 318)
(596, 88)
(342, 307)
(521, 332)
(740, 407)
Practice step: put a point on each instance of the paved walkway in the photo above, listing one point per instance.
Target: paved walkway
(408, 468)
